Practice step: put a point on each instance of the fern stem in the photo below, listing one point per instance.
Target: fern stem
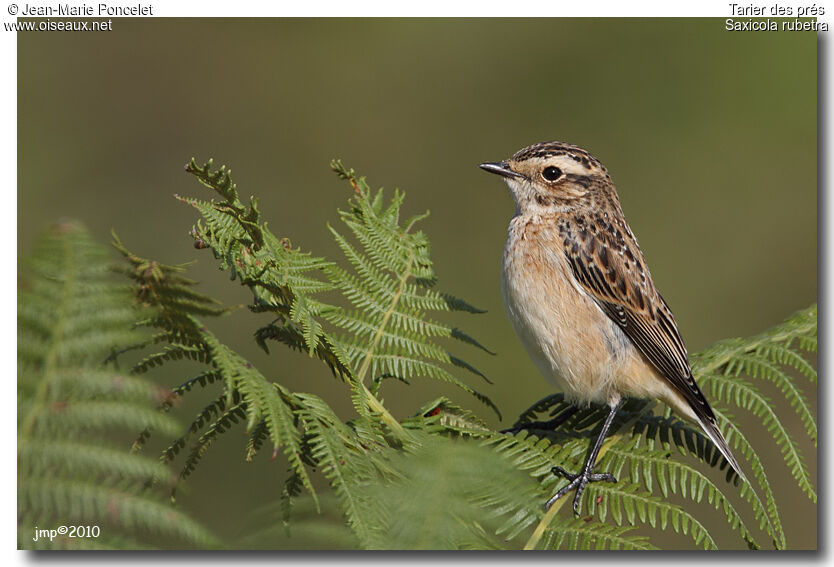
(390, 420)
(547, 519)
(366, 362)
(372, 401)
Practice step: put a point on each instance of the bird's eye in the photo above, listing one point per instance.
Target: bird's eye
(552, 173)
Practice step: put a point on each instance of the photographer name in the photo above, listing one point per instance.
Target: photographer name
(88, 10)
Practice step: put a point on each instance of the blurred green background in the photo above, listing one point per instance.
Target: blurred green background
(709, 135)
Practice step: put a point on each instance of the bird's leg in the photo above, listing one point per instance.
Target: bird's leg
(544, 425)
(578, 481)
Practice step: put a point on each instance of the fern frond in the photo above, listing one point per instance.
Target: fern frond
(444, 416)
(576, 533)
(462, 489)
(102, 415)
(388, 287)
(346, 464)
(197, 353)
(745, 395)
(767, 357)
(222, 424)
(787, 356)
(165, 288)
(758, 365)
(675, 433)
(390, 290)
(73, 315)
(385, 334)
(739, 443)
(88, 459)
(85, 502)
(212, 410)
(645, 465)
(101, 383)
(630, 503)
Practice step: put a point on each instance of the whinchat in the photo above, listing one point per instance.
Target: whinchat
(581, 299)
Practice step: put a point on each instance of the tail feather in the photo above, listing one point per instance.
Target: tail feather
(712, 431)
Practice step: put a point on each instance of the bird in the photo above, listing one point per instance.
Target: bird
(578, 292)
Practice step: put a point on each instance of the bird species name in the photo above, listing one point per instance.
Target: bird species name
(774, 25)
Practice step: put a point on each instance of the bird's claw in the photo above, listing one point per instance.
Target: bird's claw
(578, 481)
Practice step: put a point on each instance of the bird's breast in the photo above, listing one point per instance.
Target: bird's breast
(572, 342)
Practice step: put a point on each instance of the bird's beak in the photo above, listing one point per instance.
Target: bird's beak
(501, 168)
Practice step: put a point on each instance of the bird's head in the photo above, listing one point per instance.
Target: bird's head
(549, 176)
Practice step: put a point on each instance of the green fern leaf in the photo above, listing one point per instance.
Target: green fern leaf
(590, 535)
(72, 317)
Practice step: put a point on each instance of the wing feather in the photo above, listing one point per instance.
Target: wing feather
(608, 264)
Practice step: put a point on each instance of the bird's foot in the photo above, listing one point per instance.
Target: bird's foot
(578, 483)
